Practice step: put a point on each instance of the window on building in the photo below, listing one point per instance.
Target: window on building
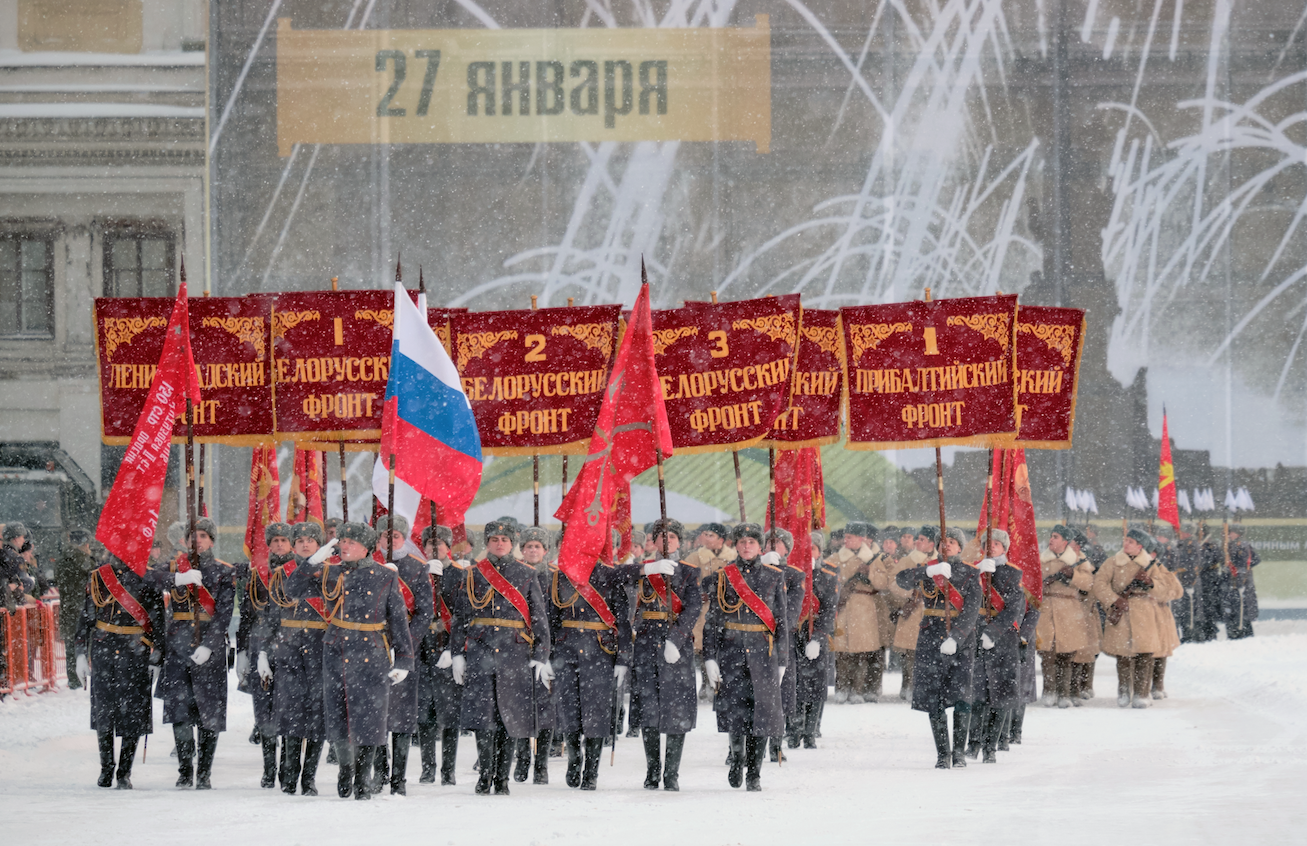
(139, 264)
(26, 285)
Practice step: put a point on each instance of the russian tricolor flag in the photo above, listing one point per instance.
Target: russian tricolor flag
(427, 424)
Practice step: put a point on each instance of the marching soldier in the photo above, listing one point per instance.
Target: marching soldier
(1240, 589)
(439, 698)
(536, 544)
(294, 658)
(119, 644)
(746, 653)
(711, 556)
(812, 631)
(859, 652)
(1168, 636)
(193, 684)
(71, 572)
(259, 623)
(1002, 607)
(919, 551)
(1026, 675)
(500, 653)
(1188, 609)
(663, 695)
(779, 542)
(1085, 658)
(1215, 578)
(950, 593)
(419, 603)
(592, 654)
(1063, 628)
(367, 618)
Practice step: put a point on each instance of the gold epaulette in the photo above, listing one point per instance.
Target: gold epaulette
(689, 564)
(772, 567)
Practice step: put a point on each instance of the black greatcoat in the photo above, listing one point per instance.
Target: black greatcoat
(367, 620)
(942, 681)
(194, 693)
(997, 669)
(295, 652)
(748, 700)
(499, 645)
(439, 698)
(667, 693)
(585, 650)
(403, 713)
(810, 676)
(119, 652)
(795, 588)
(1185, 560)
(258, 626)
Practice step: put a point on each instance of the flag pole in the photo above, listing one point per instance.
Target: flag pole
(989, 513)
(563, 492)
(199, 472)
(390, 514)
(344, 485)
(739, 485)
(535, 462)
(939, 486)
(191, 493)
(771, 487)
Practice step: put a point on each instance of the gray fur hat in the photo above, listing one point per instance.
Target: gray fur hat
(1002, 537)
(360, 532)
(534, 533)
(15, 530)
(274, 530)
(204, 524)
(383, 524)
(781, 535)
(308, 530)
(956, 534)
(746, 530)
(505, 527)
(672, 527)
(441, 533)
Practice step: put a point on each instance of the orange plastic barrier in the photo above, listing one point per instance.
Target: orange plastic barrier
(34, 656)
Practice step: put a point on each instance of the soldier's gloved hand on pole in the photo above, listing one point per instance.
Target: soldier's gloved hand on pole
(987, 565)
(713, 672)
(663, 566)
(83, 668)
(459, 665)
(812, 650)
(435, 567)
(397, 675)
(242, 664)
(619, 674)
(948, 647)
(264, 668)
(773, 558)
(324, 552)
(201, 654)
(544, 672)
(781, 675)
(940, 569)
(986, 641)
(190, 577)
(446, 660)
(670, 653)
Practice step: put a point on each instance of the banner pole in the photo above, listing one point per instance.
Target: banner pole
(344, 485)
(191, 515)
(390, 513)
(563, 492)
(739, 485)
(662, 514)
(771, 488)
(989, 513)
(199, 485)
(939, 487)
(535, 489)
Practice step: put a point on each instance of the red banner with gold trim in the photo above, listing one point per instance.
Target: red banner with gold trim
(535, 379)
(1049, 344)
(813, 418)
(937, 373)
(727, 369)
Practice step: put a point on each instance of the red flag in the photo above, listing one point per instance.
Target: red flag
(796, 473)
(306, 488)
(131, 511)
(1014, 512)
(632, 422)
(265, 506)
(1167, 509)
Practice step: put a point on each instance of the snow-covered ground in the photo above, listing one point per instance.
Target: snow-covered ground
(1224, 760)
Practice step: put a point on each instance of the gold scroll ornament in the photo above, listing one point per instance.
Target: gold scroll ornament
(664, 338)
(284, 321)
(1059, 337)
(385, 317)
(994, 327)
(121, 331)
(249, 330)
(867, 336)
(475, 344)
(778, 327)
(827, 338)
(596, 336)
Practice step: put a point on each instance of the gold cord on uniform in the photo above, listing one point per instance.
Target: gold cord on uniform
(471, 593)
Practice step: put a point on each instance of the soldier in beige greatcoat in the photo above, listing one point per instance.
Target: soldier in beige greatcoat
(1169, 588)
(910, 606)
(857, 645)
(1062, 630)
(1084, 659)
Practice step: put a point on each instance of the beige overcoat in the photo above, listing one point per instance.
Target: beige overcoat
(1063, 624)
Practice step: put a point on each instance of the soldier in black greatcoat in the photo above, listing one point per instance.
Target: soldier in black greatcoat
(950, 593)
(439, 698)
(1240, 601)
(779, 544)
(1186, 564)
(193, 685)
(812, 632)
(367, 620)
(996, 688)
(500, 652)
(746, 640)
(535, 544)
(260, 619)
(119, 642)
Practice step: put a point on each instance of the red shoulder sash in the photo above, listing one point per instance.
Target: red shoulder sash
(592, 597)
(410, 602)
(315, 602)
(661, 588)
(505, 589)
(954, 598)
(991, 593)
(751, 599)
(200, 591)
(129, 603)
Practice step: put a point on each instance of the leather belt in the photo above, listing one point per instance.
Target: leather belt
(112, 629)
(585, 624)
(932, 612)
(190, 615)
(496, 621)
(653, 615)
(304, 624)
(747, 627)
(989, 612)
(358, 627)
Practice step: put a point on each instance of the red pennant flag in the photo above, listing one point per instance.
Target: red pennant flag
(1167, 508)
(131, 511)
(305, 503)
(1014, 512)
(265, 506)
(797, 471)
(632, 423)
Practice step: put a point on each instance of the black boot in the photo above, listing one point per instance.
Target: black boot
(427, 751)
(821, 709)
(503, 760)
(811, 717)
(1005, 730)
(309, 775)
(794, 726)
(755, 748)
(672, 766)
(594, 751)
(184, 737)
(521, 758)
(777, 756)
(269, 761)
(332, 758)
(291, 747)
(1018, 719)
(345, 757)
(573, 745)
(105, 739)
(653, 762)
(125, 756)
(380, 768)
(960, 723)
(556, 745)
(939, 731)
(255, 737)
(485, 761)
(976, 729)
(365, 758)
(208, 745)
(993, 726)
(735, 776)
(448, 755)
(400, 744)
(540, 771)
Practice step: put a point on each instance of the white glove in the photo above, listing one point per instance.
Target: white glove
(713, 672)
(201, 654)
(190, 577)
(154, 675)
(664, 567)
(544, 673)
(1189, 591)
(948, 647)
(265, 668)
(619, 674)
(242, 664)
(781, 676)
(323, 553)
(464, 563)
(446, 660)
(435, 567)
(773, 558)
(83, 668)
(986, 641)
(987, 565)
(670, 653)
(940, 569)
(812, 650)
(397, 675)
(460, 667)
